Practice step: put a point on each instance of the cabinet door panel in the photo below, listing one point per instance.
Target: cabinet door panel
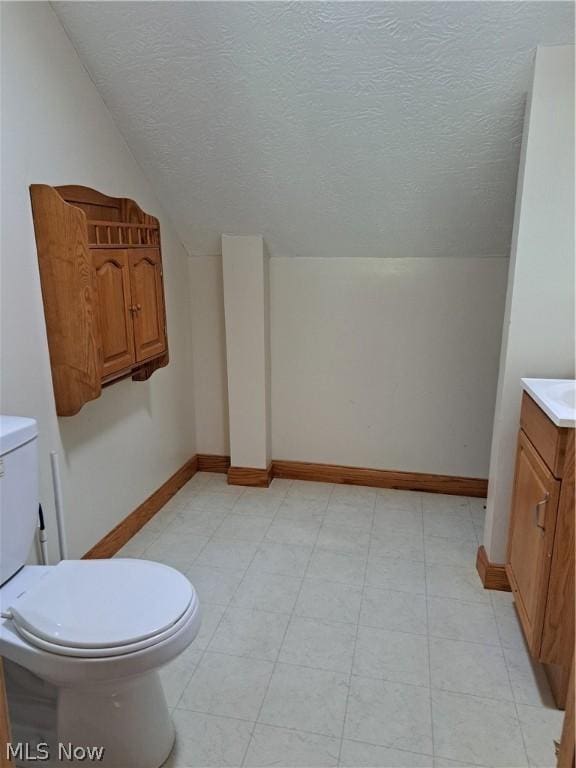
(148, 299)
(113, 284)
(533, 521)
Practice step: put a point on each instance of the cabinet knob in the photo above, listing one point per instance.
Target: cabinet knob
(138, 307)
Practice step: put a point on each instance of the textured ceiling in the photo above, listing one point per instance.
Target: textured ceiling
(334, 129)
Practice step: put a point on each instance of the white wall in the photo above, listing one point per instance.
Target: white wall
(56, 130)
(246, 312)
(538, 338)
(208, 336)
(386, 363)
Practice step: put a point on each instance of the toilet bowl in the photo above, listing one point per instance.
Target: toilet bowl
(99, 630)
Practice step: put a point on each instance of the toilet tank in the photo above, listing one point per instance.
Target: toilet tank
(18, 492)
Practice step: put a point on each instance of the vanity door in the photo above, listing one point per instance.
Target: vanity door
(532, 526)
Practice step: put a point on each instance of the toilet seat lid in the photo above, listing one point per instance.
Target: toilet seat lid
(103, 603)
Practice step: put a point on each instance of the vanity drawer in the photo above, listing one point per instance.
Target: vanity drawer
(550, 441)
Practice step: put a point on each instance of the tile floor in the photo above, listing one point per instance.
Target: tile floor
(344, 626)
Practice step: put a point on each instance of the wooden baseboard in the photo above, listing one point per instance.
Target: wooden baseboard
(380, 478)
(258, 478)
(124, 531)
(558, 680)
(492, 575)
(209, 462)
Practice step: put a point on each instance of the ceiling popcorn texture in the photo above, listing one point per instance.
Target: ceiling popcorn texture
(387, 129)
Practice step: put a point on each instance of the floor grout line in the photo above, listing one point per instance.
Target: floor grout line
(356, 639)
(275, 665)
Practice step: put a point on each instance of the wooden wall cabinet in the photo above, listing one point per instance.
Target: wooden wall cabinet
(540, 558)
(100, 266)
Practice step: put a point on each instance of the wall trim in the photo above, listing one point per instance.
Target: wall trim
(123, 532)
(211, 462)
(492, 575)
(258, 478)
(380, 478)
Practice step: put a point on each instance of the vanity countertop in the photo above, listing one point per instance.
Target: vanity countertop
(556, 397)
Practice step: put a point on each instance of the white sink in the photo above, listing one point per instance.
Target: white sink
(556, 397)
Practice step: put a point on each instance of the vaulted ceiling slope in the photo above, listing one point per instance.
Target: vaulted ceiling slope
(385, 129)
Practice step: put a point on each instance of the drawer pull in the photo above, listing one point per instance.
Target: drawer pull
(539, 506)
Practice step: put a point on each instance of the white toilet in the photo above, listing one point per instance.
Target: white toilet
(98, 630)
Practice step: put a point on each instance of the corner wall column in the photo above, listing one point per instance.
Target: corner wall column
(246, 312)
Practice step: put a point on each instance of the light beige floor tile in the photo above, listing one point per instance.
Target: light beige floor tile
(320, 644)
(227, 685)
(407, 520)
(348, 541)
(306, 489)
(442, 502)
(283, 559)
(394, 656)
(389, 715)
(246, 527)
(285, 531)
(267, 592)
(449, 524)
(450, 551)
(328, 601)
(222, 500)
(280, 486)
(455, 582)
(306, 699)
(407, 545)
(211, 615)
(347, 516)
(458, 620)
(528, 679)
(387, 609)
(198, 523)
(214, 585)
(540, 728)
(334, 566)
(230, 555)
(176, 675)
(258, 501)
(271, 746)
(394, 573)
(471, 668)
(358, 496)
(205, 741)
(388, 498)
(297, 508)
(176, 550)
(138, 544)
(358, 754)
(251, 633)
(478, 731)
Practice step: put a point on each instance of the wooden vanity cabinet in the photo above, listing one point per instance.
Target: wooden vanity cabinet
(540, 557)
(101, 274)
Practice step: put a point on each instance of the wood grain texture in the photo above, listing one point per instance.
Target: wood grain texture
(492, 575)
(209, 462)
(380, 478)
(559, 625)
(568, 738)
(558, 678)
(103, 290)
(531, 539)
(70, 299)
(131, 524)
(258, 478)
(550, 440)
(5, 734)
